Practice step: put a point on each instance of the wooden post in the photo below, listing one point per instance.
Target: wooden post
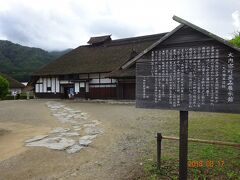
(183, 146)
(159, 142)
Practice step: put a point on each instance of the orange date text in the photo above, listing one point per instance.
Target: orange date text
(205, 163)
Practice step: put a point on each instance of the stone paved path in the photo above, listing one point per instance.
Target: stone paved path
(83, 130)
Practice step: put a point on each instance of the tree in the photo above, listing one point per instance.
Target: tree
(236, 39)
(4, 87)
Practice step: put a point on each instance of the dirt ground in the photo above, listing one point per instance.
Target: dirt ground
(116, 154)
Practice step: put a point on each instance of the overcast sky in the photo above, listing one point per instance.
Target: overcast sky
(61, 24)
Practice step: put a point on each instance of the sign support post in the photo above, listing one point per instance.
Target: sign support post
(159, 147)
(183, 146)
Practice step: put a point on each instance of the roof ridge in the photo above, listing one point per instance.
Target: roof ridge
(128, 40)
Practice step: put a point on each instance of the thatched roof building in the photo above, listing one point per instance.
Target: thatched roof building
(92, 71)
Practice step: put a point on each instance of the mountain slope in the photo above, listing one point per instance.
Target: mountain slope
(20, 61)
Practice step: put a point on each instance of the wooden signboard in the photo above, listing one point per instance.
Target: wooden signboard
(189, 69)
(190, 78)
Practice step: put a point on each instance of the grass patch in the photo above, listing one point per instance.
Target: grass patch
(217, 161)
(209, 126)
(168, 170)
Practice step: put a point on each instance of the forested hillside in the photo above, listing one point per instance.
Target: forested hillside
(20, 61)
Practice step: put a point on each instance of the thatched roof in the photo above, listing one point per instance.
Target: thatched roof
(99, 39)
(123, 73)
(105, 57)
(13, 83)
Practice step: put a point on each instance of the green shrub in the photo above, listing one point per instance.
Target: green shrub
(236, 39)
(8, 97)
(22, 96)
(4, 87)
(18, 96)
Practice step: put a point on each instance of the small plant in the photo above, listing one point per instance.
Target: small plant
(232, 175)
(4, 87)
(236, 39)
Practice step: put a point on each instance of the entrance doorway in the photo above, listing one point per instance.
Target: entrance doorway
(67, 91)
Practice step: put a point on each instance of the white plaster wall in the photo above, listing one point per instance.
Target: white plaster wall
(94, 81)
(52, 82)
(114, 81)
(64, 82)
(87, 87)
(40, 88)
(76, 87)
(102, 85)
(82, 84)
(57, 86)
(37, 86)
(105, 80)
(53, 85)
(44, 85)
(48, 82)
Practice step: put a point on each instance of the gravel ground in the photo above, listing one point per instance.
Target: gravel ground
(115, 154)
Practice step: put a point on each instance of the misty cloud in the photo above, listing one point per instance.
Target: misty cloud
(56, 25)
(106, 26)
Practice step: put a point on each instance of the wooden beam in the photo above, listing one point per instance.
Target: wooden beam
(207, 33)
(204, 141)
